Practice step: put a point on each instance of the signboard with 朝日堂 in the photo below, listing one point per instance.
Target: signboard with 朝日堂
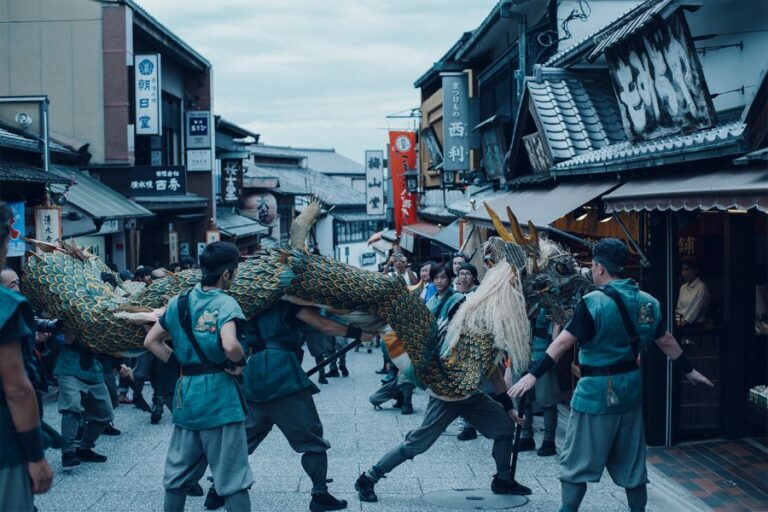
(455, 121)
(147, 98)
(168, 180)
(374, 183)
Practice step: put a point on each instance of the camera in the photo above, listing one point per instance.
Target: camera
(52, 326)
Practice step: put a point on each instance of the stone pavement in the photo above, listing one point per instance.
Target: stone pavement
(131, 480)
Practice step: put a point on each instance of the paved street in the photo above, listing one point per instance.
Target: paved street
(132, 478)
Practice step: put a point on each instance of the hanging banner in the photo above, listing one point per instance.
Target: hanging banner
(48, 224)
(173, 246)
(374, 183)
(18, 230)
(455, 122)
(402, 158)
(231, 180)
(148, 105)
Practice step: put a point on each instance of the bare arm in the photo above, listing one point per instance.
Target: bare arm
(311, 317)
(563, 343)
(229, 342)
(19, 393)
(155, 344)
(668, 344)
(22, 404)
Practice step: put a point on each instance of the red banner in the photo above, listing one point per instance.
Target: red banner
(402, 158)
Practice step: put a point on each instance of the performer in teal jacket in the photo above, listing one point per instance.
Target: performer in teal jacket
(605, 428)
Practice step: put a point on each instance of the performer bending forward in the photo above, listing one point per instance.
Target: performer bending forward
(207, 412)
(279, 393)
(492, 419)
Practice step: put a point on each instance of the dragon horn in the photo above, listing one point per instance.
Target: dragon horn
(517, 233)
(498, 224)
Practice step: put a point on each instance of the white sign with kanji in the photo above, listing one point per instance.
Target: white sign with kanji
(147, 98)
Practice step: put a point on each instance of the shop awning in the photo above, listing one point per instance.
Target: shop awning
(94, 198)
(237, 226)
(382, 246)
(169, 203)
(721, 190)
(449, 236)
(422, 229)
(24, 173)
(543, 206)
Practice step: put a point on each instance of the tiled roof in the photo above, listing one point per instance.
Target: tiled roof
(577, 115)
(25, 173)
(298, 181)
(95, 198)
(237, 226)
(274, 151)
(726, 139)
(628, 24)
(587, 42)
(328, 161)
(530, 179)
(18, 141)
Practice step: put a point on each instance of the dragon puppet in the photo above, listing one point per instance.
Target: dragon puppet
(531, 272)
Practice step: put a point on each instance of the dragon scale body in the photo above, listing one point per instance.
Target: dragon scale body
(68, 285)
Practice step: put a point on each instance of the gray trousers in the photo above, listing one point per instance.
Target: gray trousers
(485, 414)
(296, 417)
(16, 489)
(546, 393)
(79, 399)
(391, 391)
(332, 344)
(222, 448)
(615, 442)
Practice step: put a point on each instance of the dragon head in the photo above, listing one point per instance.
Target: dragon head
(550, 276)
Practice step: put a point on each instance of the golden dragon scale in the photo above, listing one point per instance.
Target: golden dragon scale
(67, 284)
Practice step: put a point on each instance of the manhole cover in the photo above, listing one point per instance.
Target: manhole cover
(474, 499)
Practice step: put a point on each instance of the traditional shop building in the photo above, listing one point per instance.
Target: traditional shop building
(279, 184)
(652, 128)
(141, 98)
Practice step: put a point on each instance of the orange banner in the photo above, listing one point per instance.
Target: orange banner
(402, 158)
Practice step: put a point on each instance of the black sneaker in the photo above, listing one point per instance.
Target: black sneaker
(195, 491)
(499, 486)
(406, 409)
(111, 431)
(157, 413)
(364, 487)
(382, 371)
(332, 373)
(322, 380)
(467, 434)
(344, 371)
(547, 449)
(527, 444)
(88, 455)
(69, 460)
(213, 501)
(324, 501)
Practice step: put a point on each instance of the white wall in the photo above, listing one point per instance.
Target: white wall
(729, 68)
(355, 250)
(54, 47)
(324, 234)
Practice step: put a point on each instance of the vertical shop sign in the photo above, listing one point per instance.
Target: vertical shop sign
(374, 182)
(231, 180)
(18, 230)
(147, 87)
(659, 82)
(48, 223)
(198, 129)
(173, 246)
(402, 158)
(455, 122)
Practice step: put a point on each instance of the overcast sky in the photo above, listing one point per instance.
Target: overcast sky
(319, 73)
